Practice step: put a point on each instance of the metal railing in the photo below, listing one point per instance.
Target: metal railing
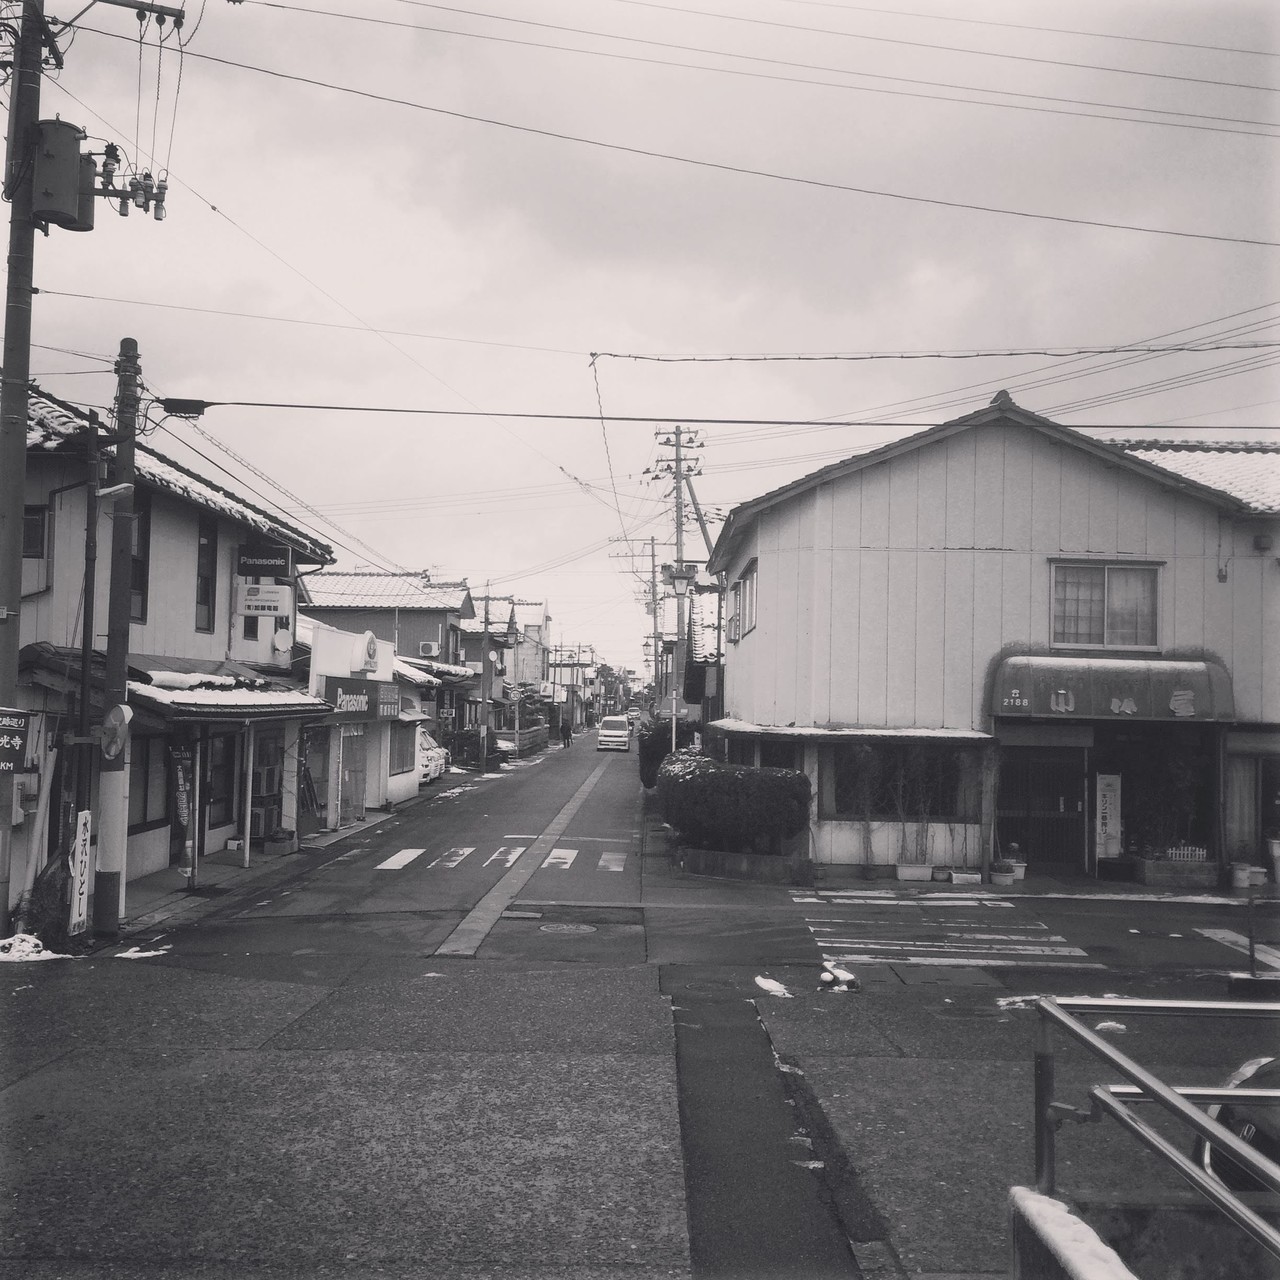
(1115, 1101)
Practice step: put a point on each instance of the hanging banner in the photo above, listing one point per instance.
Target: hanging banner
(80, 873)
(183, 763)
(1107, 819)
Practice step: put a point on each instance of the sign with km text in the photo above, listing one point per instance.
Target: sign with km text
(15, 727)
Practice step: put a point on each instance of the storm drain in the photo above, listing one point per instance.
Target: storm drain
(567, 928)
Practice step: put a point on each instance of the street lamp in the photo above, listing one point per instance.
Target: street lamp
(681, 575)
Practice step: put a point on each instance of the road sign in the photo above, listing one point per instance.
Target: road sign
(15, 726)
(80, 872)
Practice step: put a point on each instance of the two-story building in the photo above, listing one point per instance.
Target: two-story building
(422, 619)
(212, 751)
(1001, 631)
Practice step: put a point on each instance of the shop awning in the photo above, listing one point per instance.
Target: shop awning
(1115, 689)
(414, 675)
(836, 733)
(448, 672)
(206, 697)
(413, 717)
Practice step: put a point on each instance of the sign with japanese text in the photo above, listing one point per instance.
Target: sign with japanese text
(80, 872)
(1107, 819)
(15, 727)
(362, 699)
(1112, 689)
(267, 598)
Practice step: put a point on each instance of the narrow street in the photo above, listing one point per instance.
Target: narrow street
(498, 1034)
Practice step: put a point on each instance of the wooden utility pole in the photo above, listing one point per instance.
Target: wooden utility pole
(113, 783)
(486, 675)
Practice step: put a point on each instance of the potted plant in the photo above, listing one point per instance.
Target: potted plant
(1017, 861)
(1002, 872)
(279, 842)
(941, 873)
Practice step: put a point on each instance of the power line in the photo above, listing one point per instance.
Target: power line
(1022, 26)
(718, 166)
(1056, 352)
(791, 64)
(921, 44)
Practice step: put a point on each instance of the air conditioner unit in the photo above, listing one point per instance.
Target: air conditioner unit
(428, 648)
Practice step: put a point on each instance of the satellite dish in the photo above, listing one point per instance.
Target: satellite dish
(115, 731)
(282, 641)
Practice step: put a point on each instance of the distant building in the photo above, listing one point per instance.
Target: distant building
(1003, 631)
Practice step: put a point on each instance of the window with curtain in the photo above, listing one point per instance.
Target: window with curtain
(404, 740)
(1105, 606)
(148, 783)
(903, 780)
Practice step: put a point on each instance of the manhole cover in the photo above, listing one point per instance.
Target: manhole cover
(567, 928)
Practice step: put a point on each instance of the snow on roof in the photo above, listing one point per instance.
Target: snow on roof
(52, 424)
(370, 589)
(704, 628)
(233, 701)
(843, 731)
(1247, 470)
(448, 670)
(414, 675)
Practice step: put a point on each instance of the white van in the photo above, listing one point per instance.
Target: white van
(614, 735)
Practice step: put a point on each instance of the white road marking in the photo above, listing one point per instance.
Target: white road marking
(612, 861)
(562, 858)
(949, 947)
(451, 857)
(507, 854)
(958, 962)
(1263, 954)
(398, 860)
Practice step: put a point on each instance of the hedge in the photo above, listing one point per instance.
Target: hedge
(735, 807)
(655, 745)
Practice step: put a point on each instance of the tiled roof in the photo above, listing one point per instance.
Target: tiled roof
(52, 424)
(1247, 470)
(377, 590)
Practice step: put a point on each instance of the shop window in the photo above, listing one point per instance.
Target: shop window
(1105, 606)
(886, 781)
(148, 784)
(251, 627)
(779, 755)
(220, 778)
(34, 532)
(747, 585)
(206, 572)
(140, 558)
(404, 741)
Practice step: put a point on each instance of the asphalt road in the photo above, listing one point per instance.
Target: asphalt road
(490, 1037)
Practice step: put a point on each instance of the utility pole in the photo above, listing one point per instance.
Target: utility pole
(24, 111)
(113, 783)
(486, 674)
(653, 602)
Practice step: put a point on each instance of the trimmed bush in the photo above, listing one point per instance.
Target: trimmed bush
(734, 807)
(654, 745)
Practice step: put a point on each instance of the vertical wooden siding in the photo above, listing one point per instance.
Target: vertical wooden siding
(884, 595)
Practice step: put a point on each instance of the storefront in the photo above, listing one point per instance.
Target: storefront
(1103, 760)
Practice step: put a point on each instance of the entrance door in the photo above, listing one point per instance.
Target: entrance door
(1041, 806)
(351, 784)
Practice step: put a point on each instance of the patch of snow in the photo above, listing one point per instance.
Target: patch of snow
(1111, 1026)
(23, 947)
(810, 1164)
(1066, 1237)
(454, 791)
(773, 987)
(136, 953)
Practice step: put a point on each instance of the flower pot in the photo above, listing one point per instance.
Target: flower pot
(966, 877)
(1019, 870)
(1241, 875)
(908, 871)
(1257, 877)
(1003, 877)
(942, 874)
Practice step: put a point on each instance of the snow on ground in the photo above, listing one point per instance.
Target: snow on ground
(23, 947)
(136, 953)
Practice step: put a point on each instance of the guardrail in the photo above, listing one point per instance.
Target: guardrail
(1115, 1101)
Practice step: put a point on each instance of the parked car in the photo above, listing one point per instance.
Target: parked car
(435, 759)
(1257, 1123)
(614, 735)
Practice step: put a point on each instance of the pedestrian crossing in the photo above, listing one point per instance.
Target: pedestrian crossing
(504, 856)
(940, 929)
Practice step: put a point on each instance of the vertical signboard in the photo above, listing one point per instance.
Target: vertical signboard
(15, 725)
(1107, 820)
(80, 873)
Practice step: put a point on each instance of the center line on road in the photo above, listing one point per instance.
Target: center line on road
(472, 930)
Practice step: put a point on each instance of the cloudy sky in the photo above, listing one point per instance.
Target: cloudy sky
(389, 204)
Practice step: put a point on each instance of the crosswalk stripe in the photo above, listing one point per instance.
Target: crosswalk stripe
(508, 855)
(562, 858)
(1265, 955)
(958, 962)
(398, 860)
(612, 861)
(953, 947)
(451, 857)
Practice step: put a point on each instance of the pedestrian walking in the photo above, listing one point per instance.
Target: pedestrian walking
(566, 734)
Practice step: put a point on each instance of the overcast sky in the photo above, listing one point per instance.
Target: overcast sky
(388, 203)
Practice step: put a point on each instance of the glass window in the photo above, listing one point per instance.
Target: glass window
(148, 783)
(404, 741)
(900, 782)
(206, 572)
(1105, 606)
(251, 627)
(748, 584)
(33, 532)
(220, 754)
(140, 566)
